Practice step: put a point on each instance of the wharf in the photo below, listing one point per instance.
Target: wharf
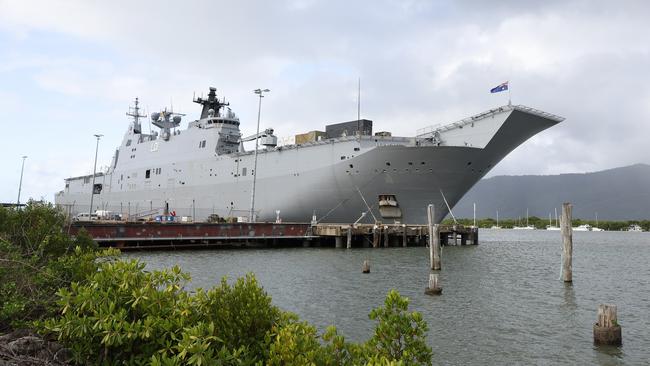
(170, 236)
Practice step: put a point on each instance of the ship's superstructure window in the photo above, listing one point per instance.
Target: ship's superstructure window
(128, 142)
(147, 174)
(201, 144)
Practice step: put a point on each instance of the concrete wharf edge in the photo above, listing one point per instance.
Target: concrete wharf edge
(162, 236)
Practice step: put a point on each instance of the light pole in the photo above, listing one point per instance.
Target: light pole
(92, 188)
(259, 92)
(20, 185)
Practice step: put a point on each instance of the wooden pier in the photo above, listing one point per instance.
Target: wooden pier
(161, 236)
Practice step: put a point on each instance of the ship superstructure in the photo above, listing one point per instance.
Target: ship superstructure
(204, 169)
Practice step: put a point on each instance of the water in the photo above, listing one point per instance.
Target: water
(502, 301)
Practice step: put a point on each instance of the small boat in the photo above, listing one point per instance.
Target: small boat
(527, 227)
(550, 224)
(635, 228)
(596, 228)
(497, 225)
(585, 227)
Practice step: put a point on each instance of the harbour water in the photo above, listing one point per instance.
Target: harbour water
(502, 301)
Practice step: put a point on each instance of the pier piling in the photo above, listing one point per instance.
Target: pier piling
(434, 240)
(338, 241)
(434, 286)
(567, 243)
(606, 330)
(365, 268)
(349, 244)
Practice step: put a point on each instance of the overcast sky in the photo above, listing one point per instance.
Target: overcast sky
(70, 69)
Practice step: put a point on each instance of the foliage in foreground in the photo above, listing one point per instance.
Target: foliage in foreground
(125, 314)
(37, 257)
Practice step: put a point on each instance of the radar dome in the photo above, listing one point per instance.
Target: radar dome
(210, 112)
(155, 116)
(177, 119)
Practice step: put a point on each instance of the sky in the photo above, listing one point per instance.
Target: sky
(70, 69)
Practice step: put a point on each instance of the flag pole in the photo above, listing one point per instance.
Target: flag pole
(509, 95)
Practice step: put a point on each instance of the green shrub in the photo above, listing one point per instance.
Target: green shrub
(125, 314)
(37, 257)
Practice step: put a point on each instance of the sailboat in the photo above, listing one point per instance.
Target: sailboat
(497, 225)
(527, 227)
(550, 225)
(596, 228)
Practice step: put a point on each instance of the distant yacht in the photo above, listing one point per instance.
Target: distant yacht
(585, 227)
(596, 228)
(550, 224)
(635, 228)
(497, 225)
(527, 227)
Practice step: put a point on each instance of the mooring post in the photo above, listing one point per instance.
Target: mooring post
(404, 236)
(436, 264)
(567, 243)
(366, 267)
(349, 237)
(338, 241)
(434, 287)
(606, 330)
(375, 236)
(434, 239)
(386, 236)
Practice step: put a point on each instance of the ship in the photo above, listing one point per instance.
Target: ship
(345, 174)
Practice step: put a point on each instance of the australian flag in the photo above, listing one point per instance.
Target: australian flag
(499, 88)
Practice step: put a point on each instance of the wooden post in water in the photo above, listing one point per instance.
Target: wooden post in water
(375, 236)
(338, 240)
(434, 239)
(366, 267)
(434, 287)
(386, 236)
(606, 330)
(349, 237)
(567, 243)
(404, 236)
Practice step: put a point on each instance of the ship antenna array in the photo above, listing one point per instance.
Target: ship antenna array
(135, 111)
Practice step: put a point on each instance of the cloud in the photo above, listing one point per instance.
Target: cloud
(81, 63)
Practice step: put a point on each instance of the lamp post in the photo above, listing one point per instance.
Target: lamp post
(259, 92)
(20, 185)
(92, 188)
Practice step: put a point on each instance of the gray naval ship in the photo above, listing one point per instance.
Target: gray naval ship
(344, 174)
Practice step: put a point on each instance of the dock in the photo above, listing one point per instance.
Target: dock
(169, 236)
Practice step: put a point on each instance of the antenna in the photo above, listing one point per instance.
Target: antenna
(359, 106)
(135, 113)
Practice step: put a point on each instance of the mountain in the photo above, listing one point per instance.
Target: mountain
(615, 194)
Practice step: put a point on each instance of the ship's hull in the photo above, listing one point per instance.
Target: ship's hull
(336, 180)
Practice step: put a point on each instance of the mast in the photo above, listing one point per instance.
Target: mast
(135, 113)
(211, 103)
(359, 107)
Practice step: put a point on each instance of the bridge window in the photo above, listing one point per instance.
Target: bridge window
(147, 174)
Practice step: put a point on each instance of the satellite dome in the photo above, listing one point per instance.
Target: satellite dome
(177, 119)
(210, 112)
(155, 116)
